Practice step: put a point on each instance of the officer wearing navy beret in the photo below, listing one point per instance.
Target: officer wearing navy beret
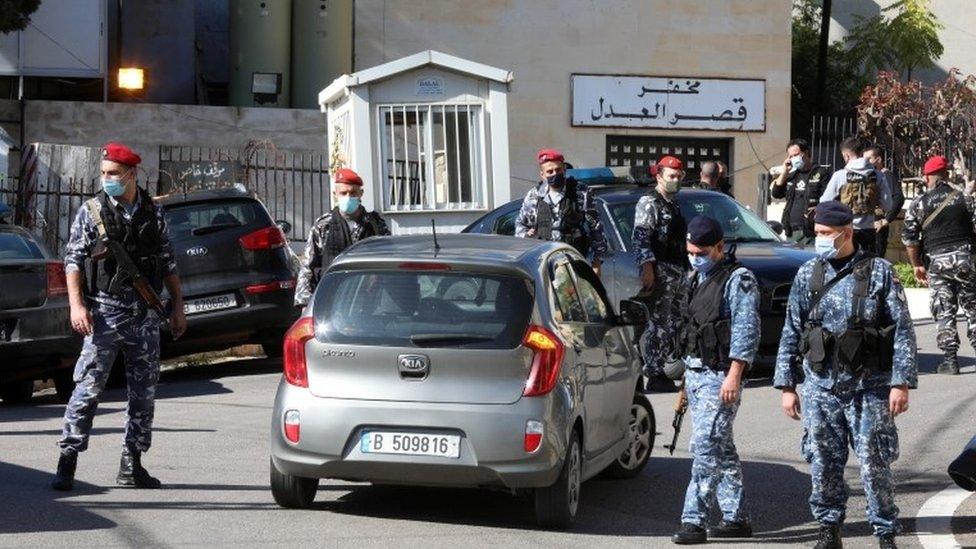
(719, 342)
(848, 338)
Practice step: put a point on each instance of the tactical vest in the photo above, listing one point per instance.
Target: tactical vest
(671, 248)
(340, 237)
(708, 330)
(142, 239)
(571, 219)
(952, 227)
(862, 347)
(861, 193)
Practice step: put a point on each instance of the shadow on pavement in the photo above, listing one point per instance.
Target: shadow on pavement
(30, 505)
(649, 505)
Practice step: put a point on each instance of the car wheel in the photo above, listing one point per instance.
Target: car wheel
(556, 505)
(292, 492)
(17, 392)
(641, 432)
(64, 385)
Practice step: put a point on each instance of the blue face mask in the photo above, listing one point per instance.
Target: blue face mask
(797, 163)
(824, 246)
(348, 204)
(701, 263)
(113, 186)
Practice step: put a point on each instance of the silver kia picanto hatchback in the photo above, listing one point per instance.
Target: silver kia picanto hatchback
(486, 361)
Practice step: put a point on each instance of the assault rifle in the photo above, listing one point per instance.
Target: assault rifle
(680, 408)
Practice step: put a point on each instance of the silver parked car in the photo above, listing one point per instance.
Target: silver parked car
(488, 362)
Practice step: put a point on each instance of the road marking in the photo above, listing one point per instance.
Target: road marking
(933, 522)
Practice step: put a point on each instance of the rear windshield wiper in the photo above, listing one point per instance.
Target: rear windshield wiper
(214, 228)
(433, 339)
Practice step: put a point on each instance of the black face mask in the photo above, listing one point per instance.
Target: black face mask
(556, 181)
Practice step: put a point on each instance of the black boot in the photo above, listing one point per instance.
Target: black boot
(887, 541)
(950, 365)
(659, 384)
(689, 534)
(829, 537)
(131, 472)
(64, 479)
(726, 529)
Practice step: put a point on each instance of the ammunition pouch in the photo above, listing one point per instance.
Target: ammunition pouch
(710, 343)
(856, 350)
(817, 344)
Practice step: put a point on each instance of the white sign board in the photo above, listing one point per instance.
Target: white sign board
(669, 102)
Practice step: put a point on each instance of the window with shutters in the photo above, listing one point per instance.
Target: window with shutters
(432, 157)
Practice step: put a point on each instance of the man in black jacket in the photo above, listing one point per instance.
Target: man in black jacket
(875, 156)
(801, 183)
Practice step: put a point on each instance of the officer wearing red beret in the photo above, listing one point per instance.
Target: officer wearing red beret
(112, 315)
(561, 209)
(659, 241)
(938, 235)
(331, 234)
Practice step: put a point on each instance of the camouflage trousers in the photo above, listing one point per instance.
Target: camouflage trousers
(137, 337)
(658, 342)
(716, 472)
(952, 283)
(832, 419)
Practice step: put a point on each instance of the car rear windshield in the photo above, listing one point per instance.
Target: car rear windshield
(184, 220)
(423, 309)
(15, 246)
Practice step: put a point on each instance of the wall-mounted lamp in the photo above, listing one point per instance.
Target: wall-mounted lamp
(131, 79)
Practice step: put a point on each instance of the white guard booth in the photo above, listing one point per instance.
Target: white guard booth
(428, 134)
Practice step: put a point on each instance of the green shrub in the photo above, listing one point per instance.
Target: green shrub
(906, 274)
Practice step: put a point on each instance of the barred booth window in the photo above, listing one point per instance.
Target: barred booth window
(432, 157)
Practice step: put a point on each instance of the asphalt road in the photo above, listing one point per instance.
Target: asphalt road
(211, 452)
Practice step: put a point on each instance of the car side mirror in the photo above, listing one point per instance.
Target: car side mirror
(776, 226)
(633, 313)
(284, 226)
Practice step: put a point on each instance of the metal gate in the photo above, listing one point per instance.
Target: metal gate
(645, 150)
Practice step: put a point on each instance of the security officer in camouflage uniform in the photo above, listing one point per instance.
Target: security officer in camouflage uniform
(561, 209)
(942, 222)
(113, 317)
(849, 339)
(719, 340)
(659, 241)
(331, 234)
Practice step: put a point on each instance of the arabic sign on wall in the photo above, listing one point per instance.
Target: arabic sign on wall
(199, 174)
(669, 102)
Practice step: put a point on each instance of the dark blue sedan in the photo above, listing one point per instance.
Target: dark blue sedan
(773, 260)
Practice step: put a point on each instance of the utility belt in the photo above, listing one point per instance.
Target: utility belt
(857, 350)
(710, 343)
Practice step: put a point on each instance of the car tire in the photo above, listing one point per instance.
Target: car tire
(556, 506)
(274, 348)
(64, 385)
(17, 392)
(292, 492)
(641, 434)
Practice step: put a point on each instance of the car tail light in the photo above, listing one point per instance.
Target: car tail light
(272, 286)
(296, 370)
(293, 426)
(533, 436)
(57, 283)
(547, 360)
(267, 238)
(425, 266)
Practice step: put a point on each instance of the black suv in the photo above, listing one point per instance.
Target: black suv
(235, 269)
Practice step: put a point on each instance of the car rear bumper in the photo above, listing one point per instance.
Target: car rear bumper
(262, 316)
(41, 340)
(492, 439)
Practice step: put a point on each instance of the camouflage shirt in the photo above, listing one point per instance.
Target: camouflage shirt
(592, 228)
(653, 218)
(885, 299)
(84, 236)
(740, 303)
(311, 270)
(926, 204)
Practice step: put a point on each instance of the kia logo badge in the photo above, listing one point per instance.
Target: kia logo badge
(197, 251)
(413, 366)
